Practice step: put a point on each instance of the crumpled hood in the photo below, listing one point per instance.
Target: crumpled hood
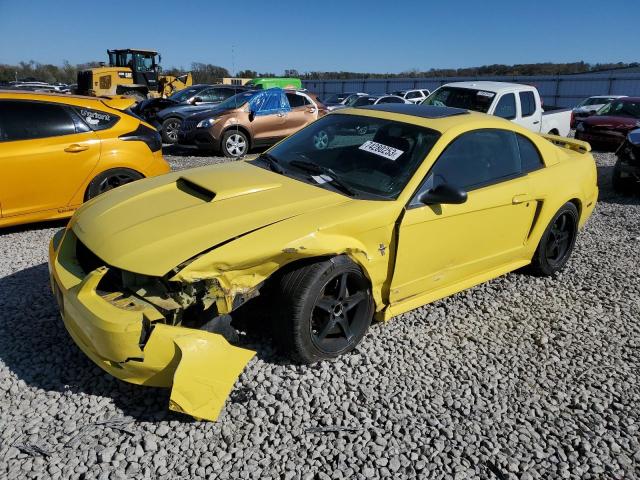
(184, 111)
(153, 225)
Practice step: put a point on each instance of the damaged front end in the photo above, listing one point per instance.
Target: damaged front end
(150, 330)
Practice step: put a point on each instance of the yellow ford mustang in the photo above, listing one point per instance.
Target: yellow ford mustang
(58, 150)
(366, 213)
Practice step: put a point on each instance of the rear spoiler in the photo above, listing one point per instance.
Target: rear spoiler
(570, 143)
(118, 102)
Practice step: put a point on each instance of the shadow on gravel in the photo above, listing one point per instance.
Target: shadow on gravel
(34, 226)
(183, 151)
(608, 195)
(35, 346)
(186, 152)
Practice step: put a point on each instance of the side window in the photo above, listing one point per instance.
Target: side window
(527, 103)
(476, 159)
(411, 95)
(31, 120)
(390, 100)
(529, 155)
(295, 100)
(221, 94)
(506, 107)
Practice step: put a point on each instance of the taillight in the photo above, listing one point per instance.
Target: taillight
(573, 120)
(150, 136)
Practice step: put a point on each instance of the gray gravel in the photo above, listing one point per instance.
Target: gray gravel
(519, 378)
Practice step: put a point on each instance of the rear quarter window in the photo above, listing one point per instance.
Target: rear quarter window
(96, 119)
(529, 155)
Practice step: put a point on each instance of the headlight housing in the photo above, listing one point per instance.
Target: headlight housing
(206, 123)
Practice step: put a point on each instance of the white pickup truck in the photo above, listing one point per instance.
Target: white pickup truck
(519, 103)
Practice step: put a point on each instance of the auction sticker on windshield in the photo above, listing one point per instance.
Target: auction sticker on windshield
(381, 150)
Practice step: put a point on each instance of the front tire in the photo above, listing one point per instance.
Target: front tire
(324, 309)
(170, 129)
(235, 144)
(557, 242)
(109, 180)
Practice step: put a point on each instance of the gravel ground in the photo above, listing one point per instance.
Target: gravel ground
(519, 378)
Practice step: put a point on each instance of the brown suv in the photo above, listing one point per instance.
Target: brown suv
(251, 119)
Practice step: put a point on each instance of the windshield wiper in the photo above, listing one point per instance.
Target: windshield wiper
(332, 176)
(273, 163)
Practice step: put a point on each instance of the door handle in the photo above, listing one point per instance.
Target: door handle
(280, 114)
(75, 148)
(536, 122)
(521, 198)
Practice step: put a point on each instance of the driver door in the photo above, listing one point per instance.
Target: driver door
(442, 246)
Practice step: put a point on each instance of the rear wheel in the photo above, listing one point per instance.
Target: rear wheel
(111, 179)
(235, 144)
(324, 309)
(170, 128)
(557, 242)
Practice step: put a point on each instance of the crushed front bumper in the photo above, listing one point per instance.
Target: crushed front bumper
(132, 343)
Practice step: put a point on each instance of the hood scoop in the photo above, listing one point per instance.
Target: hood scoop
(194, 189)
(208, 189)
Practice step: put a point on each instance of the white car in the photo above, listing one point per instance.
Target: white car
(591, 105)
(519, 103)
(376, 99)
(413, 96)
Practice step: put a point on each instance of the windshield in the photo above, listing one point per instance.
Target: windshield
(351, 99)
(237, 100)
(467, 98)
(185, 94)
(374, 157)
(621, 108)
(362, 101)
(594, 101)
(335, 98)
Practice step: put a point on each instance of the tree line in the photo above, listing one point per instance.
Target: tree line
(209, 73)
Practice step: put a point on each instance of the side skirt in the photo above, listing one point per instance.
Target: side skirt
(422, 299)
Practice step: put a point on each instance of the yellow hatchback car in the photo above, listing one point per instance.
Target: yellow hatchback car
(57, 151)
(366, 213)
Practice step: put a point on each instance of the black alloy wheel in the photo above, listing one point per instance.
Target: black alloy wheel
(111, 179)
(322, 309)
(340, 313)
(560, 238)
(557, 242)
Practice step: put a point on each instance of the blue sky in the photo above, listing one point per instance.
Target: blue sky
(373, 36)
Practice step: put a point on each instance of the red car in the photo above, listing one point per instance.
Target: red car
(607, 129)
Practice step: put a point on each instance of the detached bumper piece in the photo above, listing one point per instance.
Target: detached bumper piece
(130, 342)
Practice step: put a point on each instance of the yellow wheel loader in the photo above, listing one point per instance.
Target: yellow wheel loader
(130, 72)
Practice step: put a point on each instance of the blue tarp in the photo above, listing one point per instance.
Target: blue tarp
(269, 102)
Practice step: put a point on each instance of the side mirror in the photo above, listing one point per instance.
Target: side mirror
(252, 115)
(445, 194)
(196, 100)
